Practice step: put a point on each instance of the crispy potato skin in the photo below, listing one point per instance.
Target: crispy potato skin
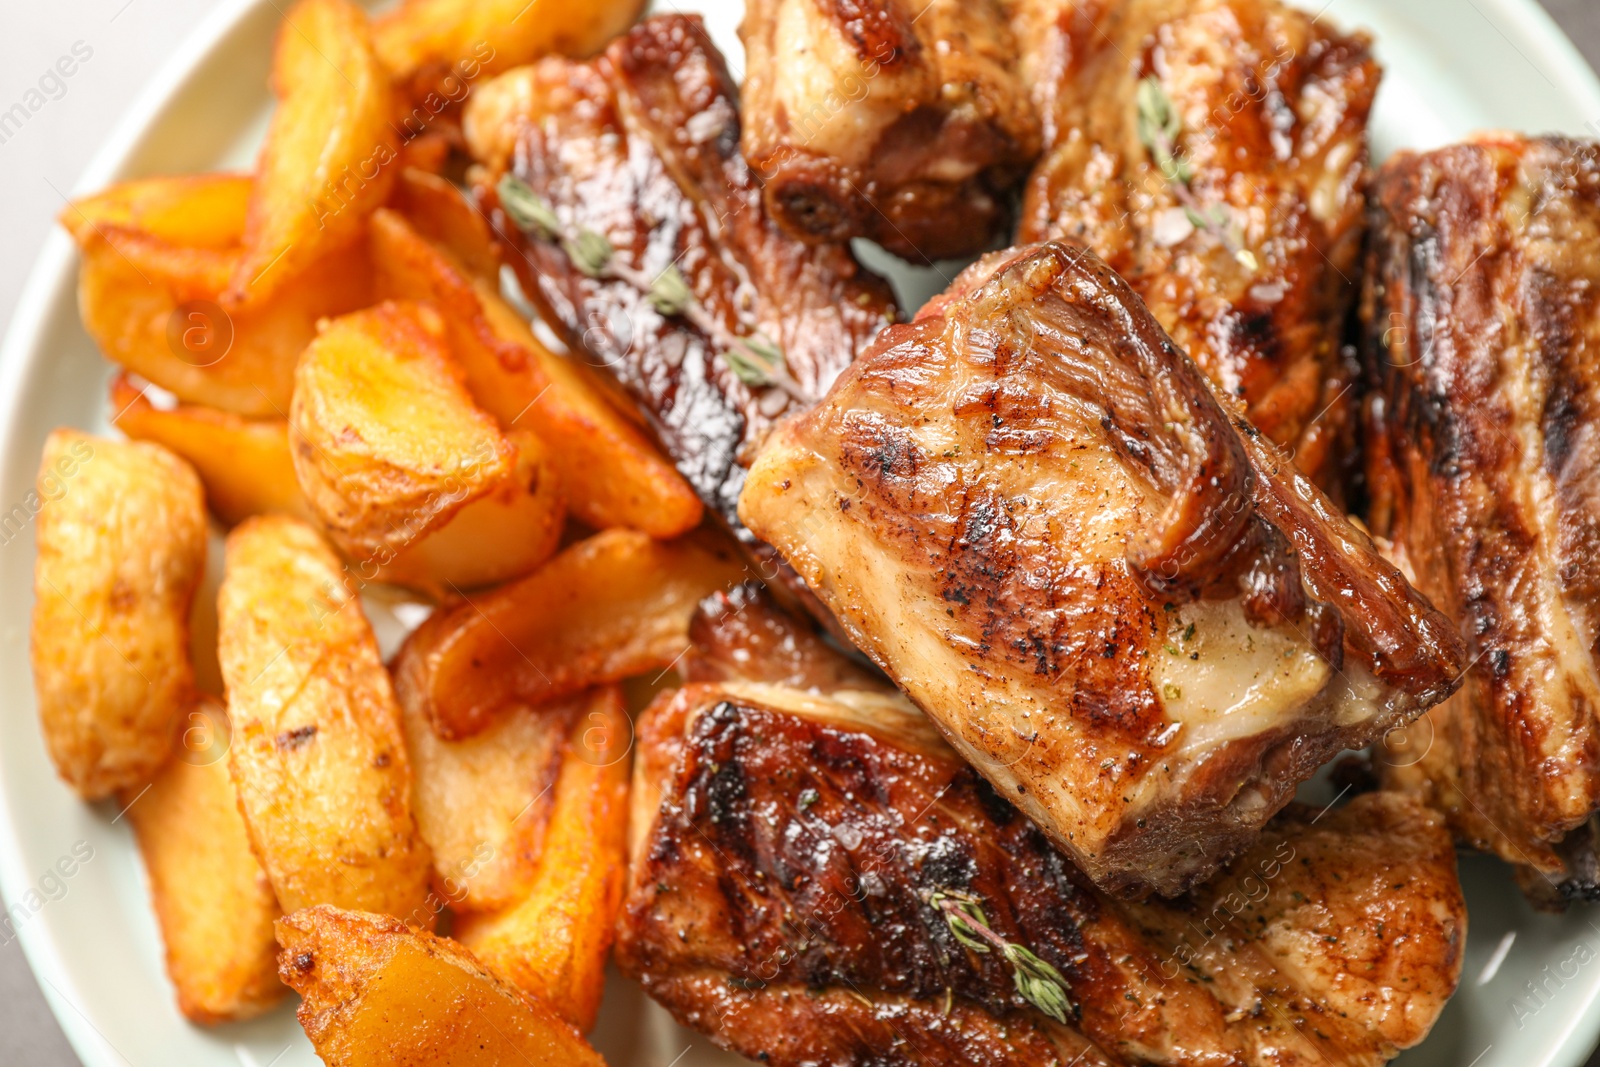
(483, 37)
(152, 305)
(613, 475)
(190, 210)
(122, 546)
(243, 463)
(386, 441)
(615, 605)
(502, 535)
(214, 902)
(554, 941)
(483, 804)
(318, 754)
(329, 152)
(377, 992)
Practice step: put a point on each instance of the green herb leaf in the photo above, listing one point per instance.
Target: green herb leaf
(530, 212)
(755, 360)
(1039, 983)
(590, 252)
(670, 293)
(1159, 127)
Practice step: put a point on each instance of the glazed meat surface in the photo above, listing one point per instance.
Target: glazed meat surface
(1214, 153)
(903, 121)
(641, 146)
(792, 851)
(1125, 607)
(1482, 344)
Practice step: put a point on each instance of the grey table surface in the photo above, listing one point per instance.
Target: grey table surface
(39, 163)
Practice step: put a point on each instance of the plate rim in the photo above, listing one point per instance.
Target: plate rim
(52, 270)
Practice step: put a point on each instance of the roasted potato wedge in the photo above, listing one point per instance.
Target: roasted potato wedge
(244, 464)
(376, 992)
(441, 214)
(329, 152)
(499, 536)
(482, 37)
(386, 441)
(318, 752)
(152, 306)
(483, 803)
(247, 470)
(612, 474)
(213, 900)
(122, 547)
(614, 605)
(554, 941)
(190, 211)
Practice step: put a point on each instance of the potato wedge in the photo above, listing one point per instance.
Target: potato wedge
(244, 464)
(386, 441)
(327, 160)
(153, 306)
(483, 803)
(318, 752)
(376, 992)
(213, 900)
(614, 605)
(122, 547)
(481, 37)
(247, 470)
(441, 214)
(613, 475)
(499, 536)
(191, 211)
(553, 943)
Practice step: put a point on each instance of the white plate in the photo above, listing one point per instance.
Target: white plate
(1531, 984)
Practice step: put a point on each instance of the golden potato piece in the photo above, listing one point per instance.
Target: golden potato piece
(318, 753)
(122, 546)
(153, 307)
(483, 803)
(327, 158)
(247, 470)
(481, 37)
(211, 896)
(376, 993)
(553, 943)
(612, 474)
(386, 441)
(614, 605)
(502, 535)
(441, 214)
(244, 464)
(192, 211)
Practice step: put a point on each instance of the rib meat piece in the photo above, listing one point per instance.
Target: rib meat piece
(1119, 601)
(787, 852)
(642, 146)
(899, 120)
(1267, 138)
(1482, 344)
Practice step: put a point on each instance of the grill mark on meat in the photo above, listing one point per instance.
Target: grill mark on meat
(807, 936)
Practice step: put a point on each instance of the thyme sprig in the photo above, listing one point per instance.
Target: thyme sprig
(1039, 983)
(754, 359)
(1160, 126)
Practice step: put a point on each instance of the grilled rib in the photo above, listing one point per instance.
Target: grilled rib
(788, 847)
(1270, 147)
(1481, 320)
(642, 146)
(903, 121)
(1125, 607)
